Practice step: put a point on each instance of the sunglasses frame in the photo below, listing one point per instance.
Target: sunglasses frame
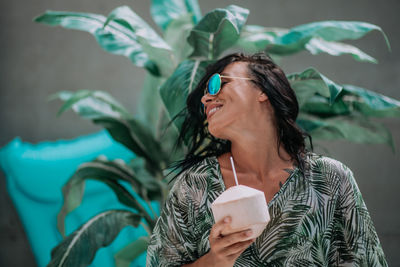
(206, 91)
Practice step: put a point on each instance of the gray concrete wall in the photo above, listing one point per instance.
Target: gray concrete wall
(37, 61)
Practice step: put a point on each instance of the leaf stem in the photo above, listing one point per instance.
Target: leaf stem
(210, 46)
(151, 208)
(147, 217)
(146, 228)
(161, 115)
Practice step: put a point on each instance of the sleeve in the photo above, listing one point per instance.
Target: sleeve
(171, 242)
(357, 242)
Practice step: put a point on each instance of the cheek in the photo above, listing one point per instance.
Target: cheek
(222, 120)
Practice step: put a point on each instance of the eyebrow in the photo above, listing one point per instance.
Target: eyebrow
(225, 74)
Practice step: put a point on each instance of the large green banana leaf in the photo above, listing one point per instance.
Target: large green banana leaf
(110, 173)
(150, 106)
(217, 31)
(79, 248)
(176, 89)
(152, 44)
(102, 109)
(317, 37)
(175, 65)
(116, 35)
(125, 256)
(370, 103)
(356, 129)
(320, 96)
(166, 11)
(310, 82)
(176, 36)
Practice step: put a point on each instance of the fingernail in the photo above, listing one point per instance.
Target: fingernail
(227, 219)
(248, 232)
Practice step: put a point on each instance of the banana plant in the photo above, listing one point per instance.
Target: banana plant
(175, 62)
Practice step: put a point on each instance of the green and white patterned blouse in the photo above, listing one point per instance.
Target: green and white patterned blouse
(317, 219)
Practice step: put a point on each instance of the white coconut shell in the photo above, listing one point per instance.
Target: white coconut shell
(247, 208)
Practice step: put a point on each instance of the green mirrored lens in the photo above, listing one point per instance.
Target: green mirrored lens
(214, 84)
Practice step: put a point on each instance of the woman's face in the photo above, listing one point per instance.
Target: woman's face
(236, 106)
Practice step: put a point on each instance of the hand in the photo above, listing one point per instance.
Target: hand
(226, 249)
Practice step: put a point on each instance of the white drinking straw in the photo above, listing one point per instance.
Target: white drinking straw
(234, 171)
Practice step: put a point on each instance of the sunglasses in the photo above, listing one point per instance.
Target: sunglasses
(214, 83)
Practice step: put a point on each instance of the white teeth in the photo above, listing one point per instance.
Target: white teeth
(213, 110)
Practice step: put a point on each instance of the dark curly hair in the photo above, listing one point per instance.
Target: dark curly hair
(271, 79)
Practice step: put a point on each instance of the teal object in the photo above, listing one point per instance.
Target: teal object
(35, 174)
(214, 84)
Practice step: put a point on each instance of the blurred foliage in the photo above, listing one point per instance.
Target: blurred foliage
(175, 62)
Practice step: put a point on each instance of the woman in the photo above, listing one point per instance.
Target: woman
(248, 111)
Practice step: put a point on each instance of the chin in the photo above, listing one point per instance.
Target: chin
(212, 129)
(215, 131)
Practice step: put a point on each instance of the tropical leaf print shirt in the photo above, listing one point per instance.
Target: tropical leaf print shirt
(318, 218)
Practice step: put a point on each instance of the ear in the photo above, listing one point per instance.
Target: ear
(262, 97)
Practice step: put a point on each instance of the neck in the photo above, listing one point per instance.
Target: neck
(258, 153)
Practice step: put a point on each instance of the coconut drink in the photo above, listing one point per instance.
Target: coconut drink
(245, 205)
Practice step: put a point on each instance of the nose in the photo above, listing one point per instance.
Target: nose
(207, 98)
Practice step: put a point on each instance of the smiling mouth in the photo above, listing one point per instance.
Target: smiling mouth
(212, 111)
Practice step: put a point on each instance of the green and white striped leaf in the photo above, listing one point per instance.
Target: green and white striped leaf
(125, 256)
(152, 44)
(370, 103)
(115, 38)
(319, 45)
(297, 37)
(217, 31)
(320, 106)
(352, 128)
(165, 12)
(152, 112)
(104, 110)
(110, 173)
(176, 35)
(311, 82)
(138, 165)
(91, 104)
(183, 81)
(316, 37)
(150, 105)
(255, 38)
(353, 99)
(137, 137)
(79, 248)
(332, 31)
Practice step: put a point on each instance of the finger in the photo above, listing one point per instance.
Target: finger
(238, 248)
(236, 237)
(217, 228)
